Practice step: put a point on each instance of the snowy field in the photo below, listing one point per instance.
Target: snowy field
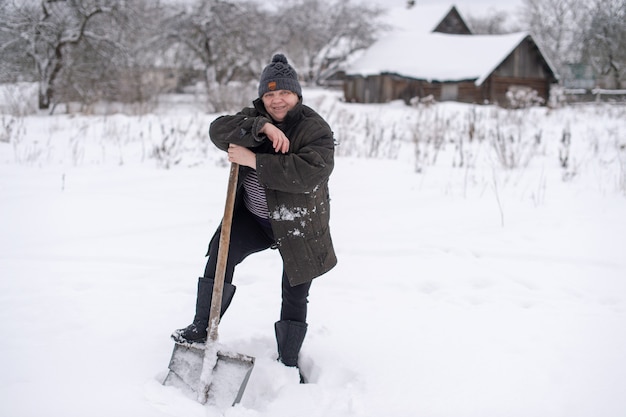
(476, 278)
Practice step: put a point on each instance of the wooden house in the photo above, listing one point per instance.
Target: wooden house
(442, 59)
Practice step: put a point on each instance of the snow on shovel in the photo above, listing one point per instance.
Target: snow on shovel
(201, 370)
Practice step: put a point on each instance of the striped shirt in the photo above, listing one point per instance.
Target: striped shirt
(254, 196)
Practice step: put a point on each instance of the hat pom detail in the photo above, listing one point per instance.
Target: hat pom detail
(280, 58)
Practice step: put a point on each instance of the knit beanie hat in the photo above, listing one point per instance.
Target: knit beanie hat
(279, 75)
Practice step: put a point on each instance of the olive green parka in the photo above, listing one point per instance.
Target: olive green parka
(296, 183)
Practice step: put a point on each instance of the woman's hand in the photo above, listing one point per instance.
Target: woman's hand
(242, 156)
(278, 138)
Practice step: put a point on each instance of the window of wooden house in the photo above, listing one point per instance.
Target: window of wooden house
(449, 92)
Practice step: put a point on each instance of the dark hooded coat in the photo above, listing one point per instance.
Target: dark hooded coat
(296, 183)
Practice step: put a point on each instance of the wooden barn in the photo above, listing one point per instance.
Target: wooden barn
(443, 60)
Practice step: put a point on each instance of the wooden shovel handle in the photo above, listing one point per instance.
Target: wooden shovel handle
(222, 254)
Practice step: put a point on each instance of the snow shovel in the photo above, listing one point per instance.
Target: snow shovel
(200, 370)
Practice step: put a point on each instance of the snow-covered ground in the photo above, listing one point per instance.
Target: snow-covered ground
(465, 290)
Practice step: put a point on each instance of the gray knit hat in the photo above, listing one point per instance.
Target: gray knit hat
(279, 75)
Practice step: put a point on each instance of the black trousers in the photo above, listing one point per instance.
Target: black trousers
(249, 235)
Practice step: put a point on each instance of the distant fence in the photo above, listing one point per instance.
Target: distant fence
(582, 95)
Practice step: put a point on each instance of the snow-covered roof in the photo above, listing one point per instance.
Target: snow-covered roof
(437, 56)
(422, 19)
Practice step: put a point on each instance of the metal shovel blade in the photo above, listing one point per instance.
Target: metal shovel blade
(229, 377)
(230, 371)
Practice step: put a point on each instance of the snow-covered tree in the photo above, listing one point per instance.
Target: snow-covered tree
(493, 23)
(581, 31)
(44, 31)
(606, 40)
(558, 27)
(323, 34)
(87, 50)
(228, 39)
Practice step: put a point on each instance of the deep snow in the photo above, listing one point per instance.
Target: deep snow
(460, 292)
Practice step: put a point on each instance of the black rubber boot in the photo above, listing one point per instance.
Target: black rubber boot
(289, 337)
(196, 332)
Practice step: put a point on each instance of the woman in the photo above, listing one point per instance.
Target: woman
(285, 151)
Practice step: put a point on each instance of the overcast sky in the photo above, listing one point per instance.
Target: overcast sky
(473, 7)
(467, 8)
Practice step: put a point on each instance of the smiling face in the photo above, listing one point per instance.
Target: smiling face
(279, 102)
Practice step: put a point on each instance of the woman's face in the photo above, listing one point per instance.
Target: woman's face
(279, 102)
